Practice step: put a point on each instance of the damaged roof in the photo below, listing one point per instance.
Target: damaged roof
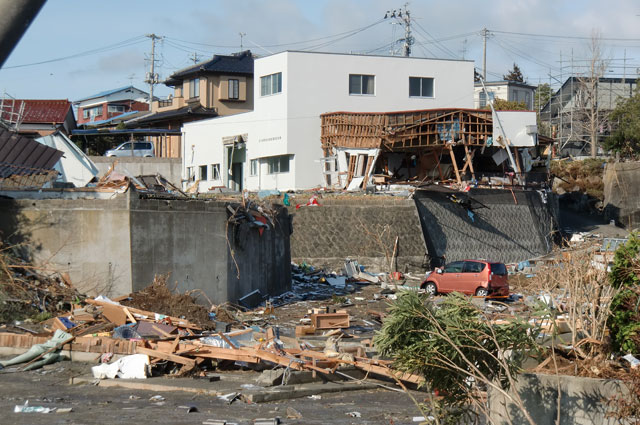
(25, 152)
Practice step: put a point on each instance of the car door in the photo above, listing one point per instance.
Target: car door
(450, 277)
(471, 276)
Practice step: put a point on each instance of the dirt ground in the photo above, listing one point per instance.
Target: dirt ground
(49, 387)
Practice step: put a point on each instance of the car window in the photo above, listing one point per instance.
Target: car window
(142, 145)
(125, 146)
(473, 267)
(498, 269)
(455, 267)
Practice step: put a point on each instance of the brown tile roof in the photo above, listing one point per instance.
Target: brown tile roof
(37, 110)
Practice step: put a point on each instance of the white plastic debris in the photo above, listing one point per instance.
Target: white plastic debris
(25, 408)
(135, 366)
(354, 414)
(632, 360)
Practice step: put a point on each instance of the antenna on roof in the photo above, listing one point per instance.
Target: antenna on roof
(241, 34)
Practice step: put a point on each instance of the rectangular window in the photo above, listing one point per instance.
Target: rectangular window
(482, 99)
(215, 171)
(420, 87)
(91, 113)
(278, 164)
(203, 172)
(234, 89)
(194, 88)
(271, 84)
(190, 174)
(115, 108)
(253, 170)
(361, 84)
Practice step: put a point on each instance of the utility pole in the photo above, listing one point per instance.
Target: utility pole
(195, 58)
(241, 34)
(485, 34)
(403, 16)
(152, 76)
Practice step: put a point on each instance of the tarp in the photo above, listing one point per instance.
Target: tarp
(74, 166)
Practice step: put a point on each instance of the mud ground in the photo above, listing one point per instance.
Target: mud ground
(49, 387)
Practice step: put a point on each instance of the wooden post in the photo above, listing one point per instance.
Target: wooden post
(437, 158)
(455, 165)
(469, 161)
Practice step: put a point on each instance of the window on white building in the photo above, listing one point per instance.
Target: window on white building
(234, 89)
(253, 169)
(420, 87)
(203, 172)
(191, 175)
(362, 84)
(278, 164)
(194, 88)
(215, 171)
(271, 84)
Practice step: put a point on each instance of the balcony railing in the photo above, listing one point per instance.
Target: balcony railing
(165, 102)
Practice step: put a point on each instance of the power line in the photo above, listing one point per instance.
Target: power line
(573, 37)
(126, 43)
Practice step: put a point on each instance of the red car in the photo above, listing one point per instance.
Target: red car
(473, 277)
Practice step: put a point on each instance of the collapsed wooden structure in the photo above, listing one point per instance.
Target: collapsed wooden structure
(425, 133)
(93, 329)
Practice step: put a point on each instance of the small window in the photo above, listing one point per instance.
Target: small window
(278, 164)
(420, 87)
(473, 267)
(194, 88)
(271, 84)
(455, 267)
(234, 89)
(253, 169)
(361, 84)
(115, 108)
(91, 113)
(190, 174)
(125, 146)
(498, 269)
(142, 146)
(215, 171)
(203, 172)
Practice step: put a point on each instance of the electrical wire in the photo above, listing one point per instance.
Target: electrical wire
(438, 44)
(126, 43)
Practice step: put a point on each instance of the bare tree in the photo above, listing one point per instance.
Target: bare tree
(590, 116)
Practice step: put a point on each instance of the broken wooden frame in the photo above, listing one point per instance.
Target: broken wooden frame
(427, 132)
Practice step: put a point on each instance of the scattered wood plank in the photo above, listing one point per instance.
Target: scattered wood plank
(166, 356)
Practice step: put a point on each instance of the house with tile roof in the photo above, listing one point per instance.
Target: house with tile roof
(221, 86)
(38, 117)
(108, 107)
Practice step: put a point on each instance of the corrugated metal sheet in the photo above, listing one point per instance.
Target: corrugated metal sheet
(21, 151)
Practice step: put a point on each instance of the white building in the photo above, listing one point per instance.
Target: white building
(506, 90)
(277, 145)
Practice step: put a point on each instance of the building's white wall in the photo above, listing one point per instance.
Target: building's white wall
(313, 84)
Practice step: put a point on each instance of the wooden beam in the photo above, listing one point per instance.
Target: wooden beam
(166, 356)
(455, 164)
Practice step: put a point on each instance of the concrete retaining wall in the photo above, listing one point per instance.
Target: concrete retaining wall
(169, 168)
(362, 228)
(622, 193)
(512, 227)
(582, 400)
(117, 246)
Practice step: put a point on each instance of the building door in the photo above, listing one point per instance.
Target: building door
(236, 178)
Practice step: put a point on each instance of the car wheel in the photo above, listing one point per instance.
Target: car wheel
(430, 288)
(482, 292)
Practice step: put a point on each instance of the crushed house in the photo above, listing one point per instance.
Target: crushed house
(437, 144)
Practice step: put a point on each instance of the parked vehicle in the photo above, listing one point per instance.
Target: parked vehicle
(144, 149)
(474, 277)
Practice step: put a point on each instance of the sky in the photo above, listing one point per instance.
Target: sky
(90, 46)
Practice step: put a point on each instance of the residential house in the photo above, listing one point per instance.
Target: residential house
(278, 146)
(37, 117)
(567, 112)
(513, 91)
(103, 108)
(220, 86)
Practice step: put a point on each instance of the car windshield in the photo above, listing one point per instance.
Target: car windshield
(498, 269)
